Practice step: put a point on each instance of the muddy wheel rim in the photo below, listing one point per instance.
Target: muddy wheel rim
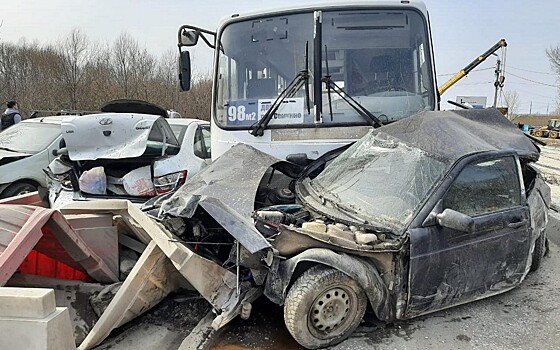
(331, 311)
(25, 191)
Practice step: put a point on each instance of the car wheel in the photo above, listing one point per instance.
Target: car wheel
(538, 133)
(539, 252)
(17, 189)
(553, 135)
(323, 307)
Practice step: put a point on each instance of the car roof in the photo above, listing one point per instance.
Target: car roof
(48, 120)
(185, 121)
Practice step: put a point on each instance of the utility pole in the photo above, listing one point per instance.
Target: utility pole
(531, 108)
(499, 83)
(496, 83)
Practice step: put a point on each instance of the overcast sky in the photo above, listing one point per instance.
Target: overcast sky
(461, 31)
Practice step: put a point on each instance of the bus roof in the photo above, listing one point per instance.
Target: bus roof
(328, 5)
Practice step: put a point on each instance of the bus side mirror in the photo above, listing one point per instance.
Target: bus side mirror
(189, 37)
(185, 70)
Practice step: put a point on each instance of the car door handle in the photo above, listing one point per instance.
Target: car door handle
(517, 224)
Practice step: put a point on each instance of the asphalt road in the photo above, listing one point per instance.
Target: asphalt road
(524, 318)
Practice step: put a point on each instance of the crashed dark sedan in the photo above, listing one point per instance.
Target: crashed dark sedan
(426, 213)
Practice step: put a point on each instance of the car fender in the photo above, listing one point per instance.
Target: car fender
(357, 268)
(26, 169)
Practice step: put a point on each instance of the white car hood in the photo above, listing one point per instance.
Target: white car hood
(109, 135)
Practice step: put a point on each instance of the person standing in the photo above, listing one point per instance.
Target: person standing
(11, 115)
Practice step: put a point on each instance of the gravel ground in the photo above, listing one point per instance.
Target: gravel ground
(163, 327)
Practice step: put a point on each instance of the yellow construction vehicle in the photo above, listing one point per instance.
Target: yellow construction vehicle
(463, 72)
(551, 130)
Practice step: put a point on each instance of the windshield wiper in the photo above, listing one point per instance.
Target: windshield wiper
(9, 150)
(332, 86)
(336, 203)
(300, 79)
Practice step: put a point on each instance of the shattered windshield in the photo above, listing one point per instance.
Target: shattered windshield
(29, 137)
(380, 58)
(383, 181)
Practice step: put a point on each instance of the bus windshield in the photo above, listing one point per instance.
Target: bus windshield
(379, 58)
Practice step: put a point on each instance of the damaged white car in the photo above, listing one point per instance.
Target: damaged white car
(132, 156)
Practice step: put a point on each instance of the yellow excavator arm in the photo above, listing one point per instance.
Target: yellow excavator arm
(460, 74)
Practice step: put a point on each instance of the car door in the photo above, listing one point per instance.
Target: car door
(449, 266)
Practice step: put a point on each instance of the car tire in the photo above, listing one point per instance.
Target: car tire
(323, 307)
(539, 252)
(17, 189)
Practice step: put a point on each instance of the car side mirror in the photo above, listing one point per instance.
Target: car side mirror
(455, 220)
(185, 70)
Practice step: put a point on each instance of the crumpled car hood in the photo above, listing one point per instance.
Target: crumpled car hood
(233, 179)
(226, 189)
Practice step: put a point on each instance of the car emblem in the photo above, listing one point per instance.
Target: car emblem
(106, 121)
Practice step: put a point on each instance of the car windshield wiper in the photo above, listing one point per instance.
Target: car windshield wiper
(336, 203)
(9, 150)
(301, 79)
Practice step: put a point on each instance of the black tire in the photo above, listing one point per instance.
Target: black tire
(539, 252)
(320, 297)
(18, 188)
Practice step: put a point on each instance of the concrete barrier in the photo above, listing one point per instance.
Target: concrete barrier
(30, 320)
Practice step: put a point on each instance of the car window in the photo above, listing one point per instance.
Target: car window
(201, 147)
(485, 187)
(156, 137)
(206, 139)
(179, 131)
(29, 137)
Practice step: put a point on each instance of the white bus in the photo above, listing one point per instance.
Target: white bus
(302, 81)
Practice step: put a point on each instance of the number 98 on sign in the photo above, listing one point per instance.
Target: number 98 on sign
(242, 112)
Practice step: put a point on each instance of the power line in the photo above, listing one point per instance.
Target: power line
(474, 70)
(532, 93)
(531, 71)
(480, 83)
(526, 84)
(532, 81)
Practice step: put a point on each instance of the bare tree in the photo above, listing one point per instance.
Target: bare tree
(74, 57)
(512, 101)
(125, 52)
(79, 74)
(553, 55)
(143, 71)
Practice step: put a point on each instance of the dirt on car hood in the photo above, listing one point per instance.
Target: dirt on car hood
(451, 135)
